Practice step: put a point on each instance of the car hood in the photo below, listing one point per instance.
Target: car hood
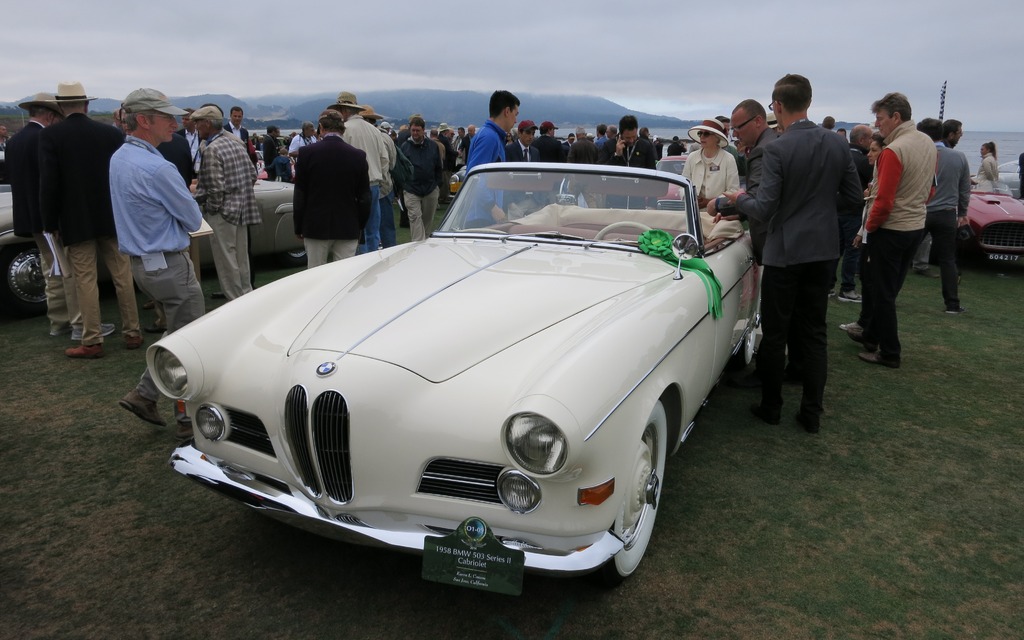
(440, 307)
(986, 208)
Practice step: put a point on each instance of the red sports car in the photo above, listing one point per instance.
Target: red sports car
(998, 224)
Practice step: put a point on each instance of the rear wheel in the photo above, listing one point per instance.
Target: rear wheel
(635, 521)
(745, 355)
(24, 288)
(293, 258)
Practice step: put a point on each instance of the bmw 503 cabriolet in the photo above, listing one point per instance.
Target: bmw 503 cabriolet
(528, 369)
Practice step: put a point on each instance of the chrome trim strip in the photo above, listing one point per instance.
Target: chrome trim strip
(618, 404)
(425, 298)
(301, 512)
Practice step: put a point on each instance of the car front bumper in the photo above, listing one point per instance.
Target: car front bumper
(407, 534)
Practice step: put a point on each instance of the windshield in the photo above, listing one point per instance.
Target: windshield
(608, 203)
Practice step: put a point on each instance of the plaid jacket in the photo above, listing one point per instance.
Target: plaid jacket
(226, 177)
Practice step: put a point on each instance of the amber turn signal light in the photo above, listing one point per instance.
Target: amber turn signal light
(597, 494)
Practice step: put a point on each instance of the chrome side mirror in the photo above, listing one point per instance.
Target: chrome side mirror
(687, 247)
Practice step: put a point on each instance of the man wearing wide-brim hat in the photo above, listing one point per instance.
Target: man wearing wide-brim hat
(388, 233)
(364, 136)
(154, 212)
(23, 172)
(74, 164)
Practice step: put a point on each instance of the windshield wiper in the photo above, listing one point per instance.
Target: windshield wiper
(546, 234)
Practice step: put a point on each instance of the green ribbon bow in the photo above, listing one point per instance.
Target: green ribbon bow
(658, 243)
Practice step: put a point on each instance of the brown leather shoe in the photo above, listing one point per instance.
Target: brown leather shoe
(875, 357)
(85, 351)
(184, 431)
(133, 342)
(144, 409)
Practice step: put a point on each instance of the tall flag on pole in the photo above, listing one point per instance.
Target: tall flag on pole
(942, 101)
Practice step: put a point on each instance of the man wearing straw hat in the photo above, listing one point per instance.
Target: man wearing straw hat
(364, 136)
(74, 182)
(23, 167)
(155, 212)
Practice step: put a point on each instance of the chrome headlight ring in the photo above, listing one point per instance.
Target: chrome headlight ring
(535, 443)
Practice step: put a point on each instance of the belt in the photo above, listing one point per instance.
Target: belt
(166, 253)
(942, 211)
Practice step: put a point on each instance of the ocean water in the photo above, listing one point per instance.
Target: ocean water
(1009, 144)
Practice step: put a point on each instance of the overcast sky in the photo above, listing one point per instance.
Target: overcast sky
(685, 59)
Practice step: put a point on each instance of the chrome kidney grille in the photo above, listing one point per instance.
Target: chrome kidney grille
(319, 440)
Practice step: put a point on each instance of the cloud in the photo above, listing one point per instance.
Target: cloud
(685, 60)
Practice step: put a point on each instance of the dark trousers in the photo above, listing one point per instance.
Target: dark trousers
(866, 310)
(891, 254)
(848, 254)
(942, 225)
(794, 297)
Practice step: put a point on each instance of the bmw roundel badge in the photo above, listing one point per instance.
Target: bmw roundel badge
(326, 369)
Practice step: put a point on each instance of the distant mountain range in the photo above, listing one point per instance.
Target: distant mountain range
(457, 108)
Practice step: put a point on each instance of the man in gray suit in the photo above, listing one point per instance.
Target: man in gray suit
(806, 176)
(754, 134)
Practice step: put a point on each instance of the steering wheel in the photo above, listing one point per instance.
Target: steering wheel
(621, 224)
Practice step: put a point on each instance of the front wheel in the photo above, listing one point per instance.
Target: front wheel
(635, 521)
(23, 293)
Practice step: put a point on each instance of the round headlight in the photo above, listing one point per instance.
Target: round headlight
(518, 492)
(210, 422)
(535, 443)
(171, 373)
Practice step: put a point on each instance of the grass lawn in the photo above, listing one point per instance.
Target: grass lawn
(904, 518)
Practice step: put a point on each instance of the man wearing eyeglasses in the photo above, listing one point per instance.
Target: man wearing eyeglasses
(754, 134)
(807, 175)
(154, 213)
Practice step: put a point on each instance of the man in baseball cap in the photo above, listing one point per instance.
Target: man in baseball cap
(549, 149)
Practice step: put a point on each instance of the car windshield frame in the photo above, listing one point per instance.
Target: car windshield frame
(589, 205)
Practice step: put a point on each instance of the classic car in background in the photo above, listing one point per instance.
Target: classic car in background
(998, 224)
(531, 369)
(1009, 175)
(22, 290)
(672, 164)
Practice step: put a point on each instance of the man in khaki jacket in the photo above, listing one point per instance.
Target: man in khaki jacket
(895, 225)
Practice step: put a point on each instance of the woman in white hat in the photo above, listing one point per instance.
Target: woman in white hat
(712, 170)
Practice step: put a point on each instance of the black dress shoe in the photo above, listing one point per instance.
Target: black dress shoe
(154, 329)
(859, 337)
(877, 358)
(217, 295)
(810, 425)
(768, 415)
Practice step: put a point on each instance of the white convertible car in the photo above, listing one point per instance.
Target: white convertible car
(530, 365)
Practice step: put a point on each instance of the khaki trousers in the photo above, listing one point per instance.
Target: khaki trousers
(421, 214)
(319, 252)
(230, 244)
(61, 296)
(84, 259)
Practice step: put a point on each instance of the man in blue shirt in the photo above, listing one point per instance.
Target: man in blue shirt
(154, 212)
(489, 146)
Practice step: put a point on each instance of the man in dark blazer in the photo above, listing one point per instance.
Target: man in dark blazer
(74, 182)
(332, 194)
(549, 148)
(234, 125)
(807, 175)
(518, 150)
(23, 168)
